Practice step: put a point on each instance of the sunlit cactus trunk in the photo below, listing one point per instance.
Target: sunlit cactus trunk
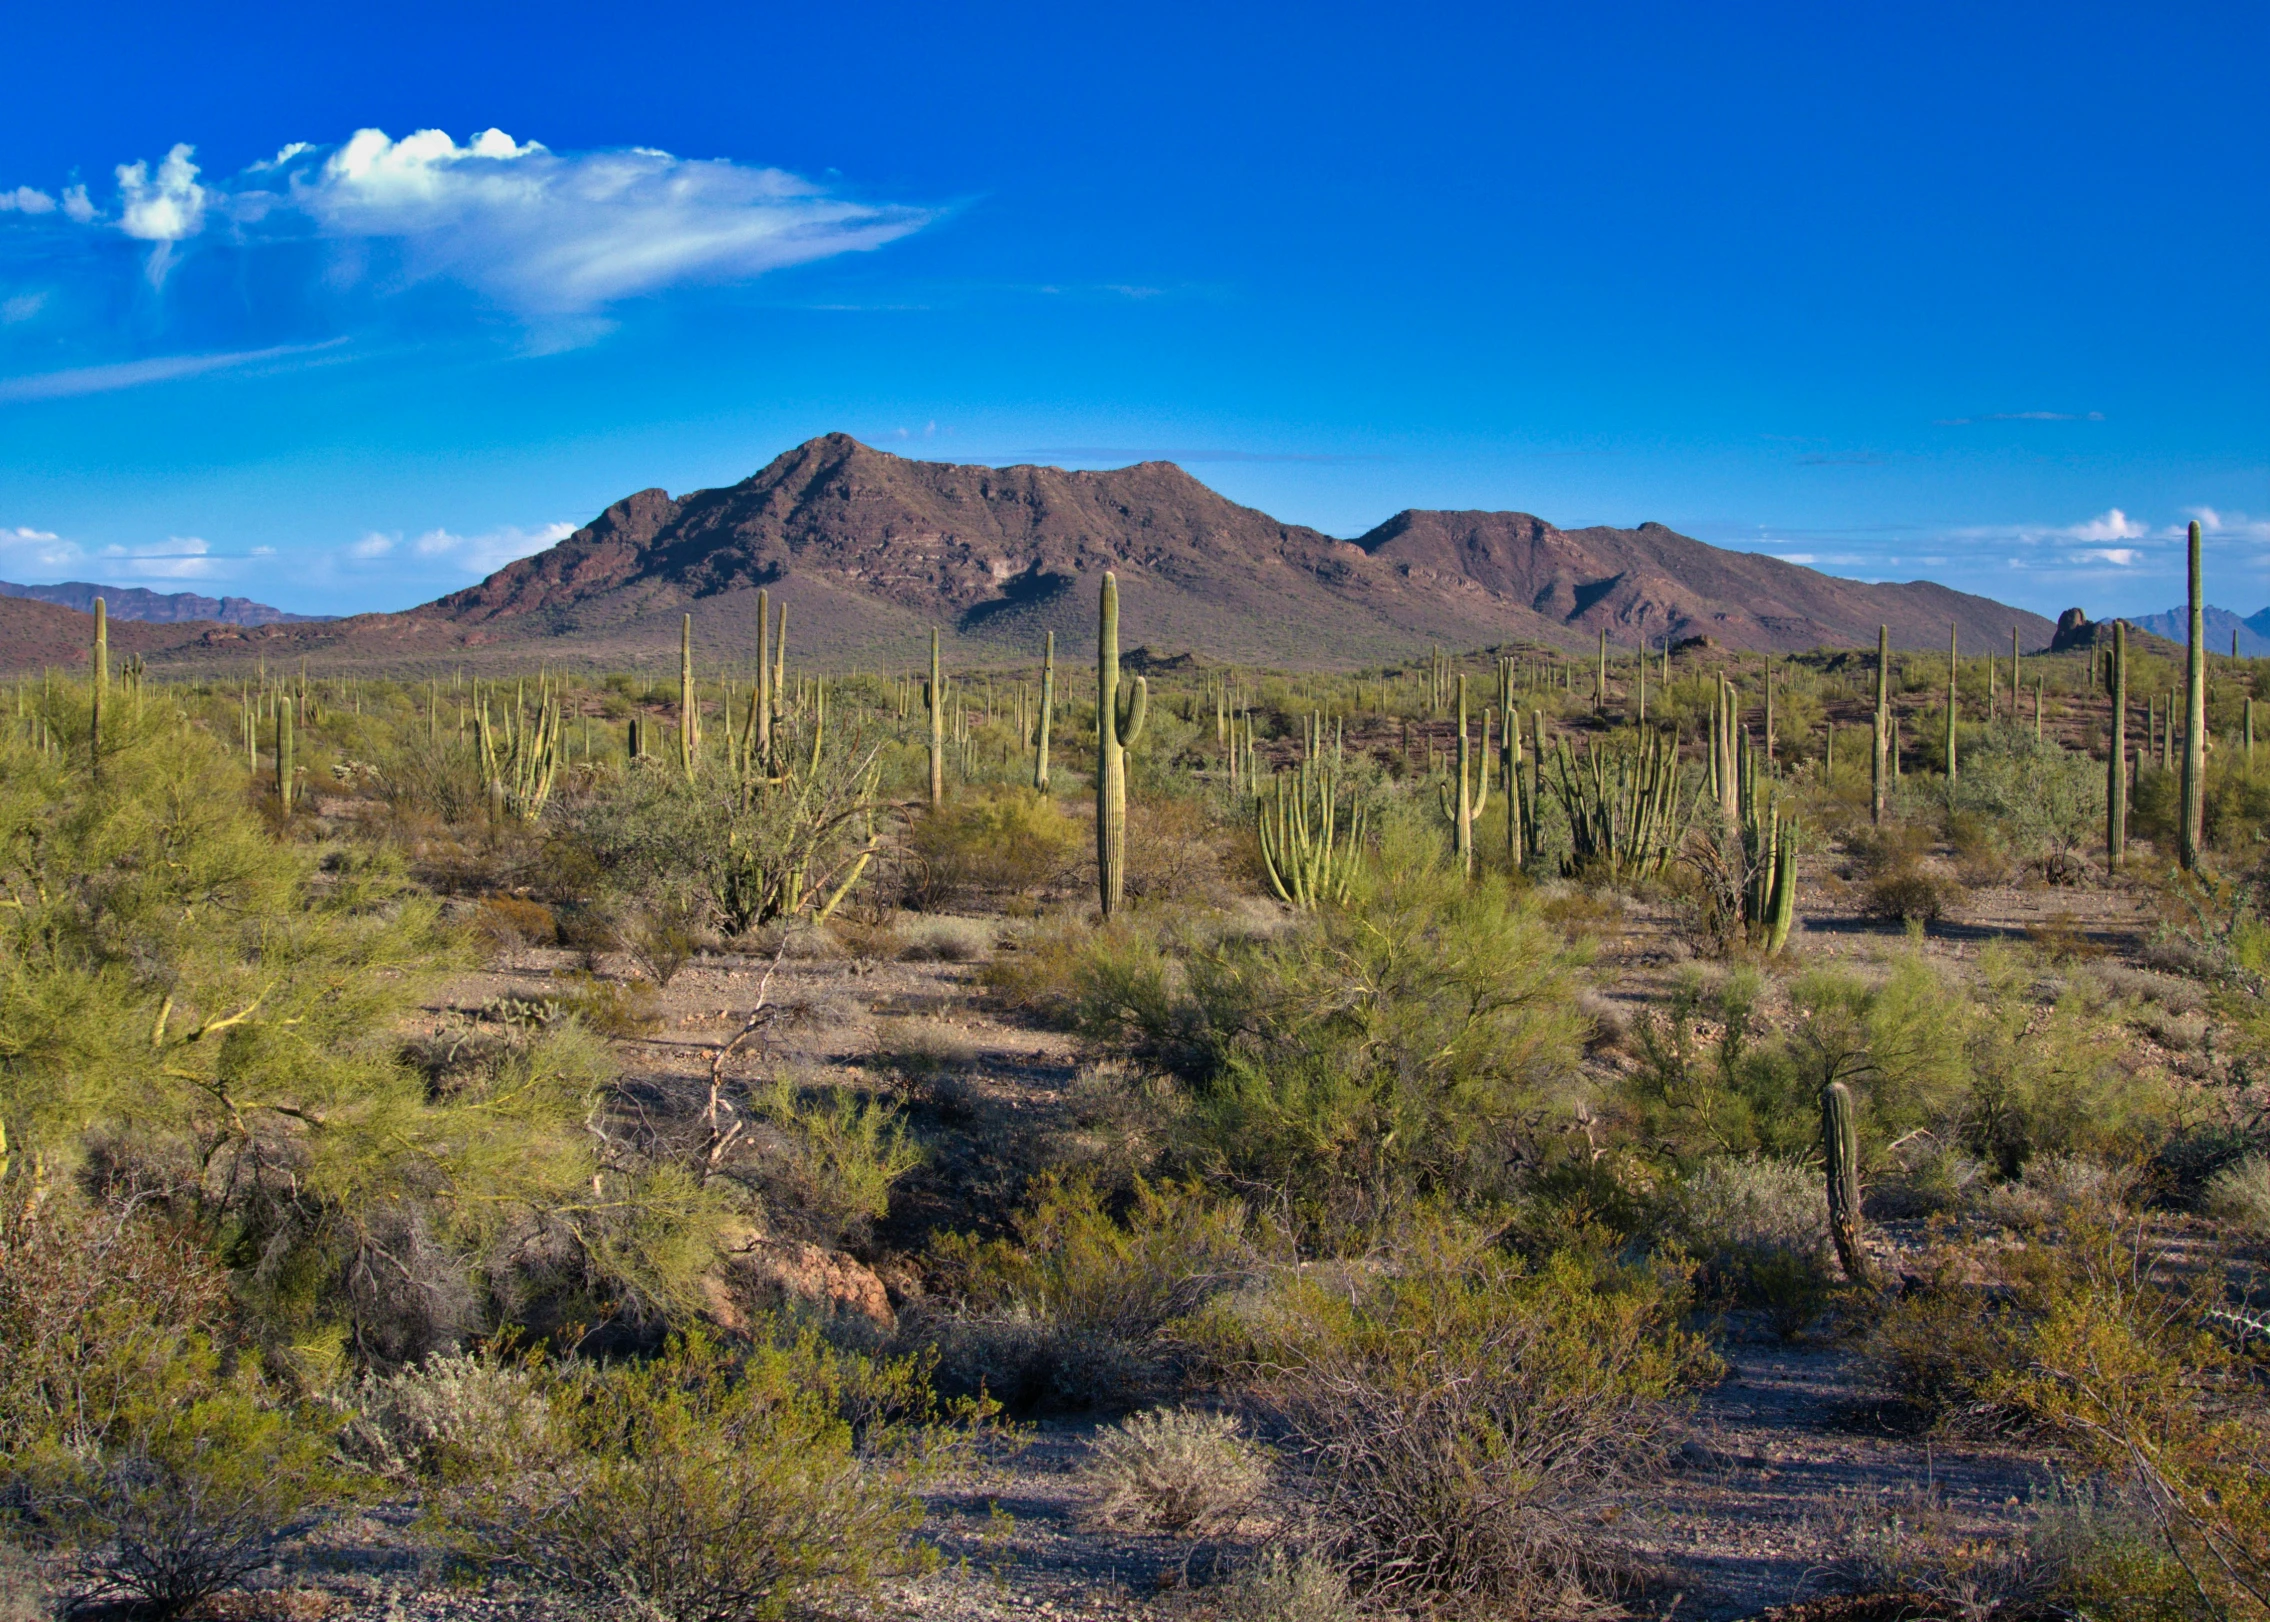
(1048, 714)
(688, 743)
(1473, 785)
(1880, 769)
(1951, 707)
(1840, 1153)
(284, 769)
(1117, 730)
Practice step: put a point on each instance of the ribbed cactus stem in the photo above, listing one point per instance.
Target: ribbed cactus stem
(2194, 831)
(1840, 1153)
(284, 750)
(934, 701)
(1781, 910)
(1117, 730)
(1879, 768)
(1473, 785)
(780, 663)
(1952, 703)
(686, 741)
(759, 747)
(101, 686)
(1048, 713)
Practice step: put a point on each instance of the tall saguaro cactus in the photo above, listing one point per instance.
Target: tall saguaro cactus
(1117, 729)
(2116, 756)
(101, 676)
(689, 743)
(1048, 713)
(1472, 795)
(1840, 1153)
(934, 701)
(2194, 720)
(1879, 774)
(284, 768)
(1951, 702)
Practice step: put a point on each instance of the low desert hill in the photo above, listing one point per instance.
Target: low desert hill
(870, 550)
(158, 607)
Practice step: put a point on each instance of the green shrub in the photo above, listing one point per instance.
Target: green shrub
(123, 1444)
(1072, 1306)
(1759, 1229)
(1013, 839)
(1462, 1419)
(702, 1487)
(2240, 1195)
(842, 1156)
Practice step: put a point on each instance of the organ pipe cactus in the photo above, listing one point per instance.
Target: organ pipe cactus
(1622, 805)
(1769, 849)
(689, 723)
(1048, 713)
(1118, 727)
(1719, 753)
(1840, 1155)
(1473, 785)
(519, 769)
(1310, 849)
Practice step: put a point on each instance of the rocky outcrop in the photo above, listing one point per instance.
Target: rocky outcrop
(755, 1274)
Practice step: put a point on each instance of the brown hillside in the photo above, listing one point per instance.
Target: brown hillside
(869, 550)
(34, 635)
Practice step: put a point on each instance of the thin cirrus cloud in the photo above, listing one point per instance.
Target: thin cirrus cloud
(444, 551)
(553, 239)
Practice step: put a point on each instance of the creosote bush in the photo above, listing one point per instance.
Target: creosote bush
(703, 1485)
(1459, 1417)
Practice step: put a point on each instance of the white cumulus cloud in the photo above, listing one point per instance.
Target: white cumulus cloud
(24, 200)
(2113, 525)
(166, 209)
(2123, 557)
(549, 236)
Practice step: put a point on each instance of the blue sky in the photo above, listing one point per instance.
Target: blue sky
(341, 308)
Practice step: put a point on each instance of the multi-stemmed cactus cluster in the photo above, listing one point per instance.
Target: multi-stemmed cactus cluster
(1767, 877)
(520, 754)
(1311, 848)
(1622, 805)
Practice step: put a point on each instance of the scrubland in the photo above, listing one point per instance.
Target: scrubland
(476, 1152)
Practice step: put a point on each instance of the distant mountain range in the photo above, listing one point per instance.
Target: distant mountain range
(870, 550)
(156, 608)
(2218, 623)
